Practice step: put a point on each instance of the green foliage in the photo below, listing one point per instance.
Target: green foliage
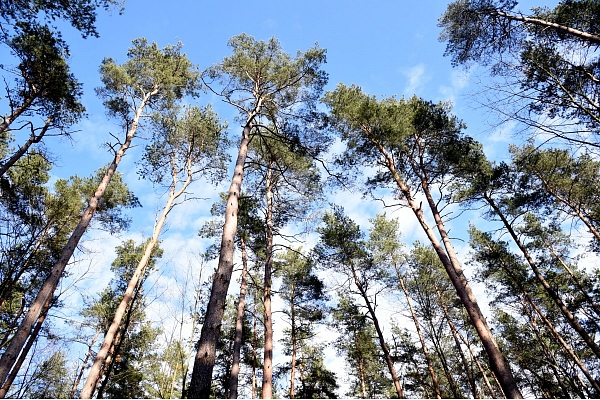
(545, 58)
(51, 379)
(137, 337)
(420, 139)
(357, 343)
(44, 77)
(80, 13)
(165, 75)
(192, 143)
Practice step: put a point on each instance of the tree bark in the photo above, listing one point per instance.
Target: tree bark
(235, 368)
(361, 372)
(267, 385)
(294, 348)
(89, 386)
(49, 286)
(23, 355)
(211, 329)
(457, 277)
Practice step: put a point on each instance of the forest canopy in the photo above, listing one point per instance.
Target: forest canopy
(266, 225)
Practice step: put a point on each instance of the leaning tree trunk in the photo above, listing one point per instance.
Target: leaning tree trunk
(267, 385)
(211, 329)
(571, 319)
(88, 355)
(463, 358)
(239, 323)
(23, 355)
(49, 286)
(382, 344)
(89, 386)
(457, 277)
(294, 350)
(436, 385)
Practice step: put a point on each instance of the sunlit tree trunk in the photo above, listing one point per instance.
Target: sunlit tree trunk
(235, 368)
(209, 335)
(89, 386)
(455, 273)
(267, 385)
(23, 355)
(49, 286)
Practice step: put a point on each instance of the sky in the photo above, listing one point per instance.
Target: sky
(386, 47)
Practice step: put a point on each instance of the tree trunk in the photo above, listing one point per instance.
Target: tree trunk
(89, 386)
(10, 355)
(436, 385)
(267, 385)
(83, 365)
(457, 277)
(479, 366)
(454, 331)
(211, 329)
(294, 350)
(571, 319)
(254, 348)
(237, 346)
(361, 372)
(23, 355)
(384, 348)
(116, 346)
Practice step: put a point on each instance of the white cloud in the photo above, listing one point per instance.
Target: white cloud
(416, 78)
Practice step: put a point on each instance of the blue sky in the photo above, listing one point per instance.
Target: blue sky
(386, 47)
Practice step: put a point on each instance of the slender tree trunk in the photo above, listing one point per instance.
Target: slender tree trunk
(361, 372)
(479, 366)
(83, 365)
(235, 368)
(23, 149)
(384, 348)
(454, 331)
(434, 379)
(571, 319)
(586, 36)
(47, 290)
(551, 327)
(457, 277)
(116, 345)
(267, 385)
(294, 350)
(209, 335)
(89, 385)
(32, 338)
(254, 348)
(547, 352)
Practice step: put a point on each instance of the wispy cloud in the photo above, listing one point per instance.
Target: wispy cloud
(416, 78)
